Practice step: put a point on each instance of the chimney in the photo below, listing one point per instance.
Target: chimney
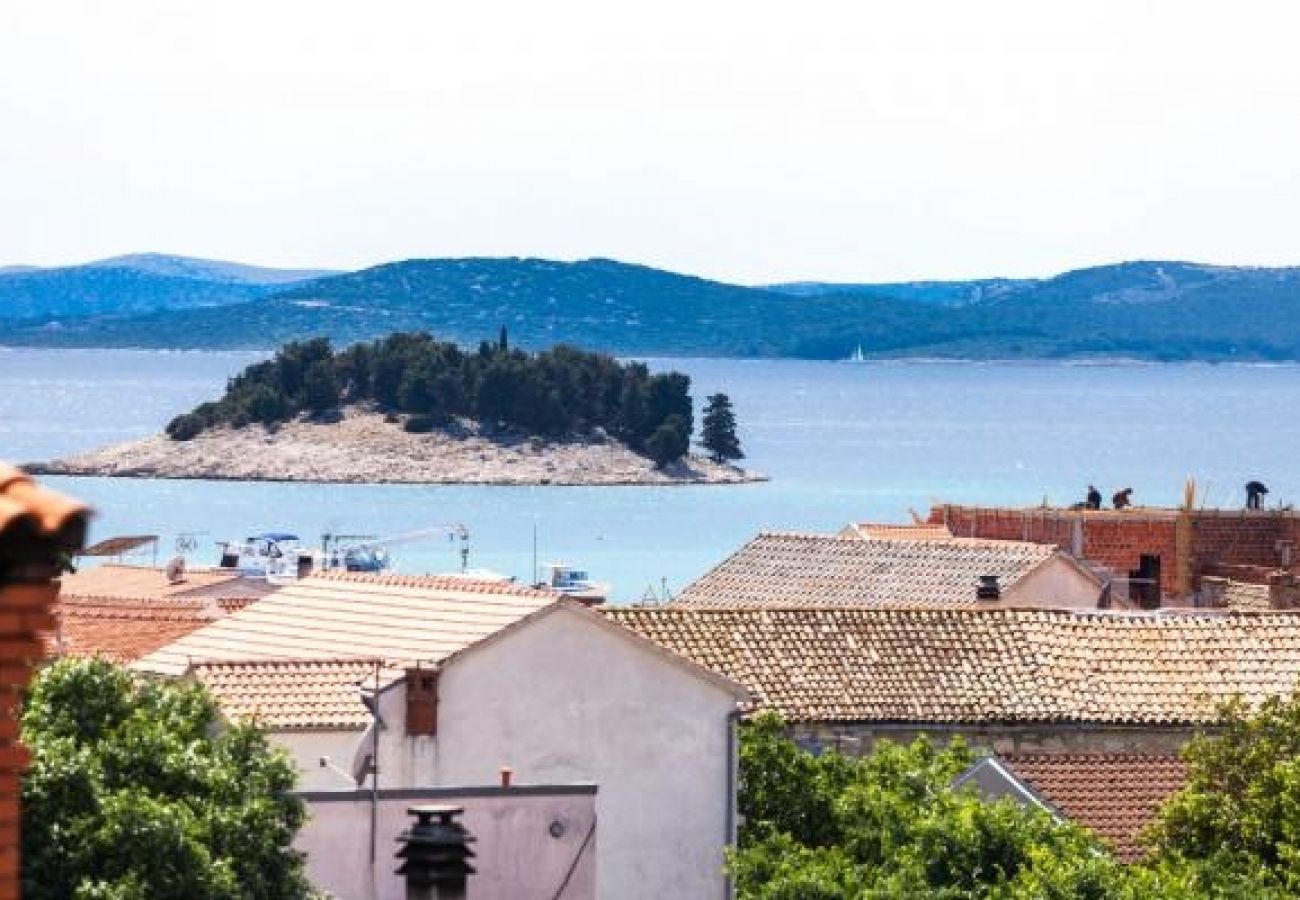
(988, 589)
(1283, 591)
(507, 776)
(421, 702)
(435, 854)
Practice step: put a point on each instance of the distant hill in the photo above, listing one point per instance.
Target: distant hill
(139, 283)
(209, 269)
(948, 293)
(1146, 310)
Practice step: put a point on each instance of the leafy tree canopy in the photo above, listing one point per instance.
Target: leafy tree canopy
(555, 392)
(133, 793)
(1234, 829)
(891, 825)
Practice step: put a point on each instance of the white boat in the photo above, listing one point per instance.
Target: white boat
(857, 356)
(575, 583)
(281, 556)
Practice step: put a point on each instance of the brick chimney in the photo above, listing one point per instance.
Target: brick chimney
(1283, 591)
(38, 530)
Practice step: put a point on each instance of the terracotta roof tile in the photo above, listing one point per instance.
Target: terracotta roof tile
(929, 665)
(334, 617)
(885, 531)
(29, 510)
(122, 630)
(455, 583)
(807, 568)
(1245, 596)
(293, 694)
(1116, 795)
(149, 582)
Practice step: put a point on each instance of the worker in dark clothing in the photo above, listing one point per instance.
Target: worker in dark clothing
(1094, 498)
(1121, 499)
(1255, 492)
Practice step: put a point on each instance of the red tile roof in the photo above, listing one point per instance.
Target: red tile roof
(122, 630)
(293, 694)
(29, 510)
(152, 583)
(1116, 795)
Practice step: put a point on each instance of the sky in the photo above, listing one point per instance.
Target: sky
(747, 141)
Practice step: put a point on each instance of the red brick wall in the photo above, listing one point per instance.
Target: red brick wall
(26, 610)
(1222, 541)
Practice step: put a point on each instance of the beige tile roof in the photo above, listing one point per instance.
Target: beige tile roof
(1116, 795)
(808, 568)
(293, 694)
(151, 583)
(454, 583)
(882, 664)
(351, 617)
(885, 531)
(122, 630)
(1244, 596)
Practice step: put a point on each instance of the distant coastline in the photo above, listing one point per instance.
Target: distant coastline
(361, 448)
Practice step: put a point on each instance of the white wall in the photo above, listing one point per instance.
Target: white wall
(307, 747)
(1056, 584)
(564, 699)
(516, 855)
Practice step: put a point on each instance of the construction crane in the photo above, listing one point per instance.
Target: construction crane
(369, 553)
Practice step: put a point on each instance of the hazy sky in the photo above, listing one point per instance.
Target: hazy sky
(749, 141)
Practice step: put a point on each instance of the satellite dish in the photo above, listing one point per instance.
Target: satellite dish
(176, 570)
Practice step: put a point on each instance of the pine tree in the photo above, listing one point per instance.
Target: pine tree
(719, 432)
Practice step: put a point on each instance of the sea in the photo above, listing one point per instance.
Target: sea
(840, 442)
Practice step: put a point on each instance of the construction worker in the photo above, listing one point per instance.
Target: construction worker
(1121, 499)
(1094, 498)
(1255, 492)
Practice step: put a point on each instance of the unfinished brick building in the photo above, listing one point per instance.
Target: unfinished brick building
(37, 527)
(1154, 556)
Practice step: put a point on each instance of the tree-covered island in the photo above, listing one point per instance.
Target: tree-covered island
(409, 408)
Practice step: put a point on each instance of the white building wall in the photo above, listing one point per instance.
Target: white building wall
(530, 843)
(307, 748)
(1057, 584)
(564, 699)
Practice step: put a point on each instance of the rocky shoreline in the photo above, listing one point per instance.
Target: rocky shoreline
(363, 448)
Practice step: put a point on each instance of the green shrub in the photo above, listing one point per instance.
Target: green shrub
(421, 424)
(185, 427)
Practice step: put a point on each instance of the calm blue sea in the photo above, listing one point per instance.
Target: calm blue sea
(841, 441)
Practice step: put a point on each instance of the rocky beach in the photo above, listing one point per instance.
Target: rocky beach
(361, 447)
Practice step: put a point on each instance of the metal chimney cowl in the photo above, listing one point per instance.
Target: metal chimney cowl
(435, 854)
(988, 588)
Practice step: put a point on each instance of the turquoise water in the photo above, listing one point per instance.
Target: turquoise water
(840, 441)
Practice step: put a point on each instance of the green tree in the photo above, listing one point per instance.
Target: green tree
(891, 825)
(320, 388)
(1234, 829)
(718, 431)
(670, 441)
(135, 793)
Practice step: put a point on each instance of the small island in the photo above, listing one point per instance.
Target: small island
(408, 409)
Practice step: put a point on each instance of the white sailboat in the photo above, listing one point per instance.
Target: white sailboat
(857, 356)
